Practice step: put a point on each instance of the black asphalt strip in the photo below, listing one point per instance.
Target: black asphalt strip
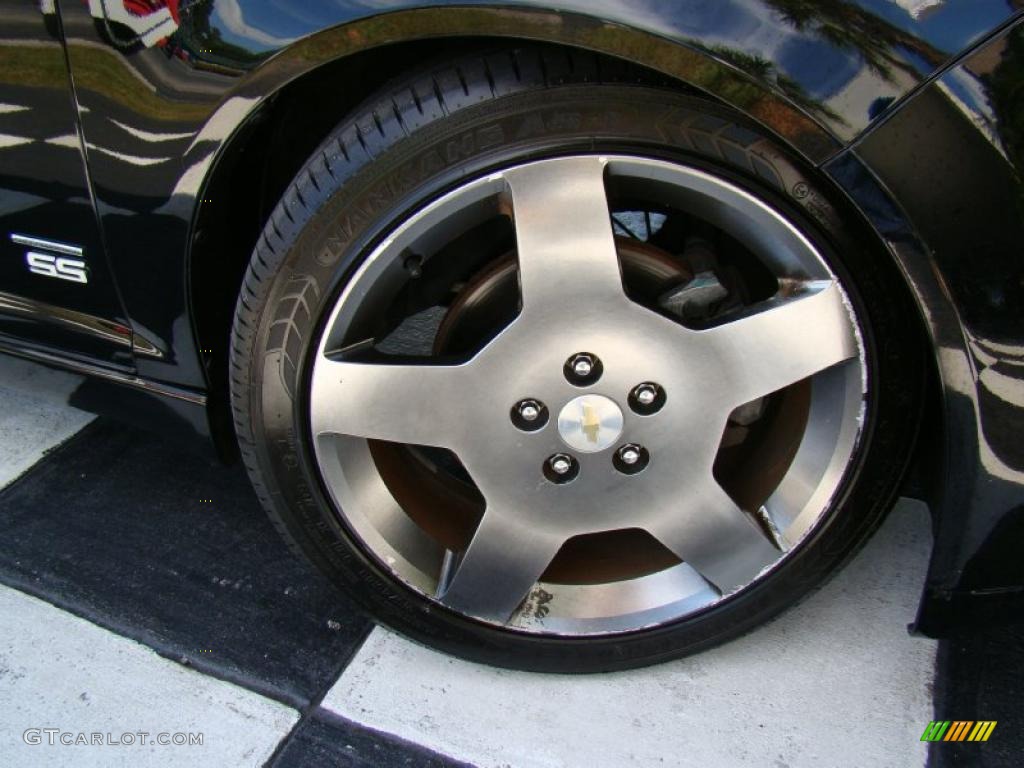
(324, 739)
(160, 546)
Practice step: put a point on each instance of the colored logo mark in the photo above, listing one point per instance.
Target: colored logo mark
(958, 730)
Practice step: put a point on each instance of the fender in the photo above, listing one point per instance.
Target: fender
(941, 181)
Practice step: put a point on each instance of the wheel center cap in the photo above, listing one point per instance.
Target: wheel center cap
(590, 423)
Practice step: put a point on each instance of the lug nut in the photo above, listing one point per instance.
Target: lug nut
(646, 394)
(583, 369)
(561, 468)
(631, 459)
(629, 455)
(561, 465)
(529, 411)
(647, 398)
(529, 415)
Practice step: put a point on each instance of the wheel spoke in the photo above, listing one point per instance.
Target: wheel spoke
(400, 403)
(785, 343)
(717, 538)
(503, 562)
(564, 236)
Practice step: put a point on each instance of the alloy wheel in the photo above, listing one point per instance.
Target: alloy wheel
(591, 413)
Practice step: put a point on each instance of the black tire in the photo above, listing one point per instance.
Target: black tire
(418, 139)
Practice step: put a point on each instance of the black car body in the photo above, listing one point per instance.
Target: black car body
(147, 142)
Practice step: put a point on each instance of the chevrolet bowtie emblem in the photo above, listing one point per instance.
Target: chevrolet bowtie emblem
(591, 422)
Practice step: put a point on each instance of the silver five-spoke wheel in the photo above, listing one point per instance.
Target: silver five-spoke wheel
(584, 444)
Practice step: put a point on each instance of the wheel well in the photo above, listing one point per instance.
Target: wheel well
(263, 158)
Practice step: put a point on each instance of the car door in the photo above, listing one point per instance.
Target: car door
(57, 295)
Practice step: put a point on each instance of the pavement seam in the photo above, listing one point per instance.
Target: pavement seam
(313, 706)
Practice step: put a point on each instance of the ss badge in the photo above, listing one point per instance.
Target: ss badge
(61, 267)
(52, 259)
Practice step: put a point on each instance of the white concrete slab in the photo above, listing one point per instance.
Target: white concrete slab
(835, 682)
(32, 418)
(60, 672)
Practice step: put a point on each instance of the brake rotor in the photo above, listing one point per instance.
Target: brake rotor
(490, 301)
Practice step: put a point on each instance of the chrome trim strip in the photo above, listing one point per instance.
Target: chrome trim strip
(143, 346)
(47, 245)
(90, 325)
(117, 377)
